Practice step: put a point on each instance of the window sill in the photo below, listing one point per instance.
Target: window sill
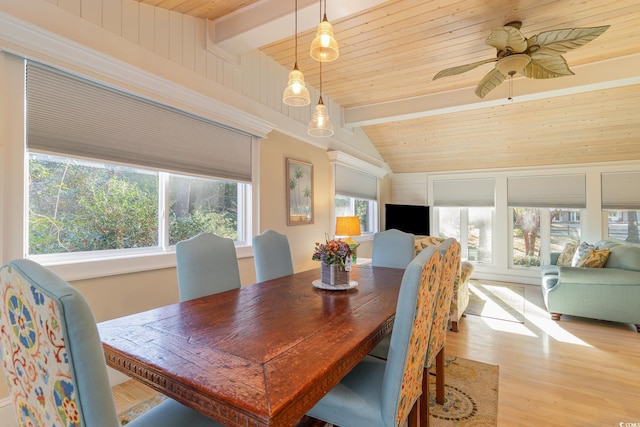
(91, 268)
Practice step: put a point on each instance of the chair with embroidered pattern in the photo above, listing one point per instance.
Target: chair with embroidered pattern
(53, 360)
(379, 393)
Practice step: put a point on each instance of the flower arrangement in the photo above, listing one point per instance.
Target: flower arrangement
(331, 252)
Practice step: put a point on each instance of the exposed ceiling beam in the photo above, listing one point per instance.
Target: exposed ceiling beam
(612, 73)
(267, 21)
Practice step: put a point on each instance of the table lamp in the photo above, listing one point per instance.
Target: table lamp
(349, 226)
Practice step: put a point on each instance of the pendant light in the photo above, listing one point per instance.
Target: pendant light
(320, 125)
(296, 93)
(324, 47)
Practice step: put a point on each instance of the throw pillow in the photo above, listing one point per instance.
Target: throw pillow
(567, 254)
(594, 259)
(583, 249)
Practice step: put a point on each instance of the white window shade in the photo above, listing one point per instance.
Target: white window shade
(464, 192)
(547, 191)
(621, 190)
(74, 116)
(353, 183)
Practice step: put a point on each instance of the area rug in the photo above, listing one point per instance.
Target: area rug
(496, 300)
(471, 394)
(135, 411)
(471, 397)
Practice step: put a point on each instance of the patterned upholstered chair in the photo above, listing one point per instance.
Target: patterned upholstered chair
(392, 248)
(450, 251)
(271, 255)
(206, 264)
(460, 299)
(53, 360)
(384, 393)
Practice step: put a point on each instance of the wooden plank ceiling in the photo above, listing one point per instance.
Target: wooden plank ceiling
(391, 52)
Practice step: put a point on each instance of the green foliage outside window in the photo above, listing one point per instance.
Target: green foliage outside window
(78, 206)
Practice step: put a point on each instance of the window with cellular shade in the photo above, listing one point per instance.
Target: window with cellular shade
(620, 190)
(464, 192)
(547, 191)
(74, 116)
(353, 183)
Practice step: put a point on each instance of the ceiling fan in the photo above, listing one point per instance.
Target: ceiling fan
(538, 57)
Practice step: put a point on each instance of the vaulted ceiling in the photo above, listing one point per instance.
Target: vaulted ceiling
(390, 51)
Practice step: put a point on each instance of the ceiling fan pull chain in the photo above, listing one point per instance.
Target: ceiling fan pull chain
(510, 98)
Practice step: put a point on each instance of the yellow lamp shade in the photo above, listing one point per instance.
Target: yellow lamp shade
(347, 226)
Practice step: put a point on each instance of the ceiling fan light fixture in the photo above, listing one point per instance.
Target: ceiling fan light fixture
(296, 93)
(509, 65)
(320, 125)
(324, 47)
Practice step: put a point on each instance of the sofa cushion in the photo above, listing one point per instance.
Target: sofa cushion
(567, 254)
(583, 249)
(625, 257)
(596, 258)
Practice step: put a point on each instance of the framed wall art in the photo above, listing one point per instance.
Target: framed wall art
(299, 192)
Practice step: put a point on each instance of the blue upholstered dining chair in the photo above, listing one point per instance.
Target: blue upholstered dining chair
(451, 258)
(206, 264)
(383, 393)
(271, 255)
(53, 360)
(393, 248)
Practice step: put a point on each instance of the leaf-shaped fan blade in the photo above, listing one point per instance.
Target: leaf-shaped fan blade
(507, 38)
(462, 68)
(489, 82)
(558, 42)
(547, 67)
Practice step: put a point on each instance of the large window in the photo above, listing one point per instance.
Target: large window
(112, 172)
(545, 211)
(472, 227)
(366, 210)
(621, 203)
(539, 232)
(84, 206)
(357, 195)
(464, 210)
(623, 225)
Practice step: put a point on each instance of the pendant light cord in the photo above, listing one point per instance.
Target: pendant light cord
(296, 25)
(320, 80)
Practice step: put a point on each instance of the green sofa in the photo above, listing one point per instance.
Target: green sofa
(611, 293)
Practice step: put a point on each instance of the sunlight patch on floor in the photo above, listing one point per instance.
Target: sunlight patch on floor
(537, 322)
(508, 326)
(553, 329)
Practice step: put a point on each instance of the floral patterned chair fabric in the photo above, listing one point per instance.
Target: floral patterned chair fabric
(450, 250)
(382, 393)
(53, 360)
(460, 298)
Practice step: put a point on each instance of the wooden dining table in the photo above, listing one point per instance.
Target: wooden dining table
(261, 355)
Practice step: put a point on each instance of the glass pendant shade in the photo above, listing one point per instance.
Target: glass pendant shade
(324, 47)
(296, 93)
(320, 125)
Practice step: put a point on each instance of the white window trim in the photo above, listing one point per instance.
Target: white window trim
(15, 199)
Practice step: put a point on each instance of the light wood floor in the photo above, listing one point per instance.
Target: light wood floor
(576, 372)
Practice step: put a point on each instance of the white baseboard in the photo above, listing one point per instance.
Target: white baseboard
(7, 414)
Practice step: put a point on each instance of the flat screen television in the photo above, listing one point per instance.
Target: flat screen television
(408, 218)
